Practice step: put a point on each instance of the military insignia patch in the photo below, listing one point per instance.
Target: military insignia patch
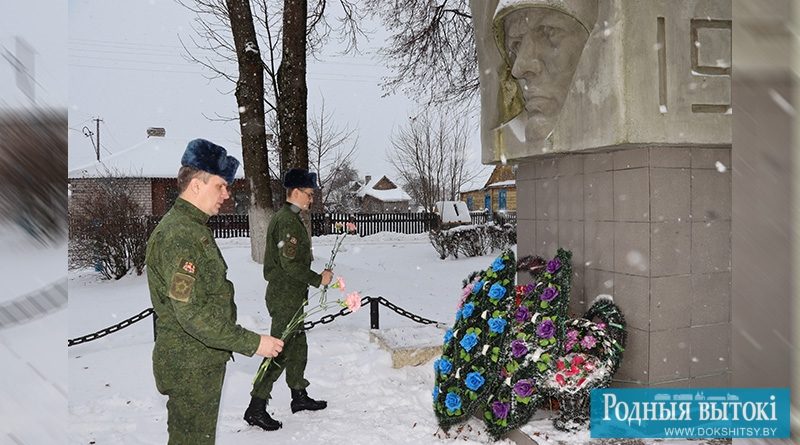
(289, 251)
(181, 287)
(188, 267)
(293, 240)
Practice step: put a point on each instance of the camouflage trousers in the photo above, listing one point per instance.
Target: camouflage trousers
(193, 404)
(294, 356)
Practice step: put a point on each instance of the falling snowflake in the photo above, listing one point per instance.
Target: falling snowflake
(635, 258)
(242, 109)
(721, 167)
(250, 47)
(782, 102)
(280, 244)
(662, 109)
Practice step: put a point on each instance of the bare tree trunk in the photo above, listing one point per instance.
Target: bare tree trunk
(292, 108)
(250, 98)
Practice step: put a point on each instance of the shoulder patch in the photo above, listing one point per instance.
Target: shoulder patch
(181, 287)
(289, 250)
(188, 266)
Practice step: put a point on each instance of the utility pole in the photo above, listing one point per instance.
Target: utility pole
(88, 133)
(97, 149)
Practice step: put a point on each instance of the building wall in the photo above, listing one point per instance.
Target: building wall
(370, 204)
(652, 227)
(86, 189)
(511, 198)
(477, 199)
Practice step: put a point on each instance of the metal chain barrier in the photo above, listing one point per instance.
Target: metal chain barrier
(372, 301)
(34, 304)
(404, 312)
(111, 329)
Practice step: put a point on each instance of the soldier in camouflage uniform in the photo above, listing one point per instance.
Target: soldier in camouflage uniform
(196, 330)
(287, 262)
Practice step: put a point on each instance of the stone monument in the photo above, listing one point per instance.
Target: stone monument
(618, 115)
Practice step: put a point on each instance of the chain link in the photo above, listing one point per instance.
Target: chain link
(404, 312)
(325, 319)
(111, 329)
(35, 304)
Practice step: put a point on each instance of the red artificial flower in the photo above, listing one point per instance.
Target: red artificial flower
(580, 382)
(560, 365)
(520, 292)
(577, 360)
(560, 379)
(572, 371)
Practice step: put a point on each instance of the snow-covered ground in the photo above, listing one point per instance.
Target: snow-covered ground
(33, 390)
(112, 395)
(26, 265)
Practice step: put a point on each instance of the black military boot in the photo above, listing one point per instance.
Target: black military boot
(301, 401)
(256, 414)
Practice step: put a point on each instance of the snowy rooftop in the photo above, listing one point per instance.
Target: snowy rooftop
(392, 195)
(479, 181)
(510, 182)
(155, 157)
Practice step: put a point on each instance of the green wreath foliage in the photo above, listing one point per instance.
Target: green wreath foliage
(463, 373)
(537, 324)
(511, 347)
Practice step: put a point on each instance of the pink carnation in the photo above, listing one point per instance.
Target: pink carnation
(353, 301)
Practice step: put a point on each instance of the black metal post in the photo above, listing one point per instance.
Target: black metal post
(155, 317)
(374, 305)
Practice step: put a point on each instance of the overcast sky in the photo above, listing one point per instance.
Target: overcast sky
(45, 34)
(127, 66)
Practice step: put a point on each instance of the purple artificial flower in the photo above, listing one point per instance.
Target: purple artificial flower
(572, 334)
(518, 348)
(523, 388)
(523, 314)
(549, 294)
(500, 409)
(546, 329)
(529, 288)
(553, 265)
(588, 342)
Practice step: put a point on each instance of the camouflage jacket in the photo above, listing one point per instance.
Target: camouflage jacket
(191, 294)
(287, 258)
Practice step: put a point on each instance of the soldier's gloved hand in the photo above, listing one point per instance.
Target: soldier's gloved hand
(269, 346)
(327, 277)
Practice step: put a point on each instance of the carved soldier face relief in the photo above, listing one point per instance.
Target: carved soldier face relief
(543, 47)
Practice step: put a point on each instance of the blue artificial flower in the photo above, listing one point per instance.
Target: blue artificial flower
(467, 310)
(474, 380)
(445, 366)
(448, 336)
(469, 341)
(497, 291)
(435, 392)
(497, 325)
(498, 264)
(452, 401)
(477, 287)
